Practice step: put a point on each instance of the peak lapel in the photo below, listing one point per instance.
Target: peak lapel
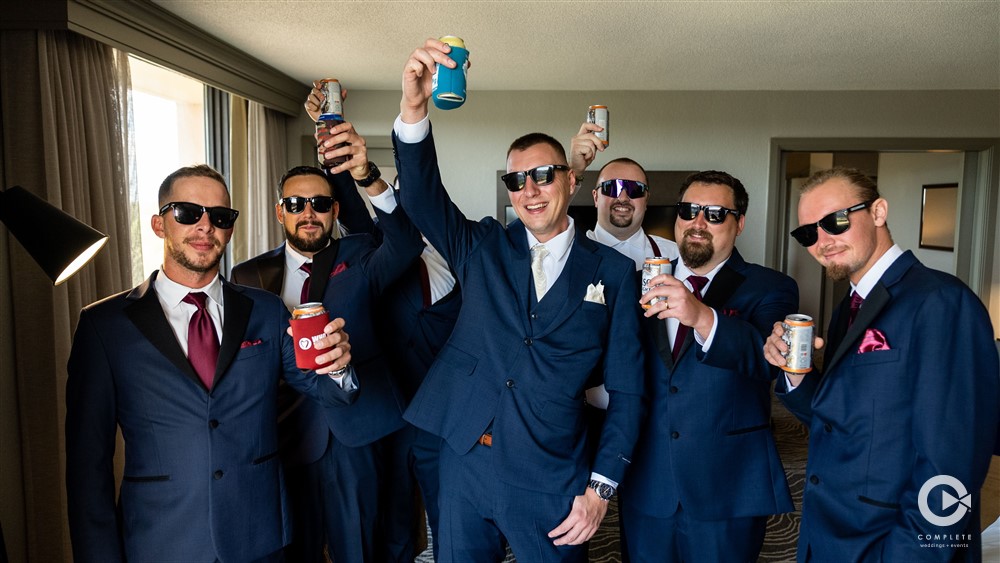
(234, 326)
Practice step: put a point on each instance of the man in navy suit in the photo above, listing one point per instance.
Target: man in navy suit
(543, 307)
(706, 473)
(342, 479)
(186, 365)
(903, 417)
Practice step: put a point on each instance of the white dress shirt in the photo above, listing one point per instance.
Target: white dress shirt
(637, 247)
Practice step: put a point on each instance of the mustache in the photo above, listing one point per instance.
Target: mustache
(197, 240)
(308, 223)
(699, 232)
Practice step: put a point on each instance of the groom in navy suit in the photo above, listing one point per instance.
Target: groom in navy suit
(706, 473)
(186, 365)
(903, 417)
(543, 307)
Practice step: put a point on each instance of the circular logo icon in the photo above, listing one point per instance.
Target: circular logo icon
(961, 498)
(305, 343)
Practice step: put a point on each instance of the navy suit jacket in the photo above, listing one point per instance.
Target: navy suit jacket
(519, 366)
(348, 276)
(884, 422)
(202, 479)
(707, 443)
(413, 333)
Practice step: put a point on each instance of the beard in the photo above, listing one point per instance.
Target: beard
(838, 272)
(306, 244)
(621, 221)
(204, 265)
(696, 255)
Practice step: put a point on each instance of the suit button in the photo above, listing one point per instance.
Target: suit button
(217, 474)
(213, 423)
(814, 480)
(510, 383)
(827, 427)
(673, 389)
(675, 435)
(527, 341)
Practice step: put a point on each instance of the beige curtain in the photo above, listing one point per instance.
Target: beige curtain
(239, 169)
(267, 156)
(63, 100)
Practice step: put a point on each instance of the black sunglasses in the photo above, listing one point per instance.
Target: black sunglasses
(714, 214)
(614, 188)
(297, 204)
(190, 213)
(542, 175)
(835, 223)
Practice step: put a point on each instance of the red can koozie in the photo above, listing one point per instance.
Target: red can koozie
(308, 321)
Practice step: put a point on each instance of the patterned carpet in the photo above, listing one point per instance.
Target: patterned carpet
(782, 530)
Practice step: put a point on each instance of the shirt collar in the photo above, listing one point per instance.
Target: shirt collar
(682, 272)
(637, 240)
(558, 245)
(871, 277)
(294, 259)
(172, 293)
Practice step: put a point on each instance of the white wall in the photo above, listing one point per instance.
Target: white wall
(731, 131)
(901, 177)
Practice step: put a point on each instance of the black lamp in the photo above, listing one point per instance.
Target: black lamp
(58, 242)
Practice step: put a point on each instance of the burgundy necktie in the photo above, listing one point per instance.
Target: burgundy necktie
(306, 267)
(698, 283)
(203, 341)
(856, 301)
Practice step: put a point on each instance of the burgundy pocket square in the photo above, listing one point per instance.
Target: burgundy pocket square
(338, 269)
(249, 343)
(730, 312)
(873, 341)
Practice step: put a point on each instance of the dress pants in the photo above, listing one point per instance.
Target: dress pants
(680, 538)
(480, 514)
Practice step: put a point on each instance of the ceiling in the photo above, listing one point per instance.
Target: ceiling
(597, 45)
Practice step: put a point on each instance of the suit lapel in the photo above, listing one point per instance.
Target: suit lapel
(519, 271)
(658, 328)
(146, 314)
(271, 270)
(323, 262)
(581, 267)
(724, 285)
(236, 318)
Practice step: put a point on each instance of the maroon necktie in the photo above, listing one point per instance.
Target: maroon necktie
(203, 342)
(698, 283)
(306, 267)
(856, 301)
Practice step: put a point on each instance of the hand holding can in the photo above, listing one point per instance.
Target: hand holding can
(308, 323)
(654, 266)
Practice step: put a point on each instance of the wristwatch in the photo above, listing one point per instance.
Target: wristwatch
(373, 174)
(603, 490)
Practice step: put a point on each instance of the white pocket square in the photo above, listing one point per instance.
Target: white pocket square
(595, 293)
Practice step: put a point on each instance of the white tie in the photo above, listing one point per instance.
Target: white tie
(538, 253)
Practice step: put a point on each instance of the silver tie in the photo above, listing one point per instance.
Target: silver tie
(538, 253)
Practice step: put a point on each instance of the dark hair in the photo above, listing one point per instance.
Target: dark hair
(863, 185)
(624, 160)
(196, 171)
(740, 196)
(532, 139)
(304, 171)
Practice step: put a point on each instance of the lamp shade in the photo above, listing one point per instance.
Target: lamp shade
(57, 241)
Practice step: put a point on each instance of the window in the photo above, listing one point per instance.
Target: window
(168, 132)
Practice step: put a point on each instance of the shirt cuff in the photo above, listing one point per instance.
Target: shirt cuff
(707, 343)
(412, 132)
(788, 384)
(603, 479)
(385, 201)
(347, 381)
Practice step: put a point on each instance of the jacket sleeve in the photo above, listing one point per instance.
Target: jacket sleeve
(91, 428)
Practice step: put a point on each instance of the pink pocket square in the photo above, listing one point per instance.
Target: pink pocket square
(726, 312)
(873, 341)
(338, 269)
(249, 343)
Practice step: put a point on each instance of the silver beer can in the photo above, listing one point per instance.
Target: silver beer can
(799, 338)
(600, 116)
(650, 269)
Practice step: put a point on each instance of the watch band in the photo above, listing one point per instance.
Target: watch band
(373, 175)
(604, 490)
